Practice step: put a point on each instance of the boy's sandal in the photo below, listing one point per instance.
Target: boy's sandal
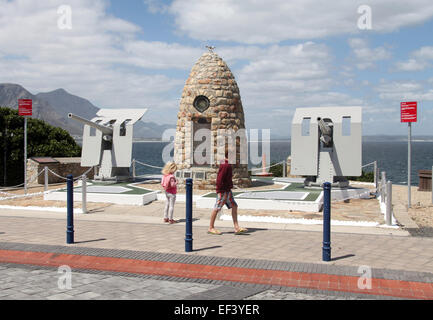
(173, 221)
(241, 231)
(166, 220)
(215, 232)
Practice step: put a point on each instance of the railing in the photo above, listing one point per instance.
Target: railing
(260, 170)
(134, 168)
(4, 195)
(375, 172)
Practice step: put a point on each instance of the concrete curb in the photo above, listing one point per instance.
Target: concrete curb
(200, 222)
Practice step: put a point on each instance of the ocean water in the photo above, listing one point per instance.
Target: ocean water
(391, 157)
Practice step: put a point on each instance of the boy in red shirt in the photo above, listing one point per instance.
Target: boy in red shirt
(224, 185)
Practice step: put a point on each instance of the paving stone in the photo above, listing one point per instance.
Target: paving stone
(18, 296)
(86, 296)
(60, 296)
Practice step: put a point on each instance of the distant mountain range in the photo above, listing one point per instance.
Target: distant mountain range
(53, 107)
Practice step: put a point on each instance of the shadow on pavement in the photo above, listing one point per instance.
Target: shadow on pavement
(343, 257)
(250, 230)
(99, 209)
(420, 232)
(87, 241)
(207, 248)
(184, 220)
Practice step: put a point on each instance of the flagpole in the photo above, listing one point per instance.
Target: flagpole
(25, 155)
(409, 164)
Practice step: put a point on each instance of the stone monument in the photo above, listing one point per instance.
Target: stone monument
(210, 111)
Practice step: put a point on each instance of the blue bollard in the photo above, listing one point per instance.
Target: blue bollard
(188, 235)
(70, 205)
(326, 250)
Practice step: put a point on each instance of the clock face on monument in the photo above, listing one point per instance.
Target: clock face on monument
(201, 103)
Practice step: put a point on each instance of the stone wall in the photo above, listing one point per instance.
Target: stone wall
(64, 167)
(289, 167)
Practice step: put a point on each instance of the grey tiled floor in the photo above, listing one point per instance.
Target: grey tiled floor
(32, 283)
(39, 284)
(376, 251)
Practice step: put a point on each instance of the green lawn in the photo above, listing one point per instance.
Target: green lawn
(294, 187)
(133, 190)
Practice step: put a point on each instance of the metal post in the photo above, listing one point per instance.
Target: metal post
(409, 164)
(84, 194)
(285, 169)
(133, 170)
(326, 250)
(389, 203)
(5, 159)
(377, 179)
(70, 204)
(375, 174)
(25, 155)
(188, 235)
(46, 179)
(383, 187)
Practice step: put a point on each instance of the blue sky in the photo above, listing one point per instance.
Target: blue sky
(284, 55)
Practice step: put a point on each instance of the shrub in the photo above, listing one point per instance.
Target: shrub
(43, 140)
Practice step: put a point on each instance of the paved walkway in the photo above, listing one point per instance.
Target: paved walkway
(27, 282)
(402, 266)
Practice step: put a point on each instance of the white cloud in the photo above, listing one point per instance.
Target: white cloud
(161, 55)
(411, 65)
(273, 21)
(366, 57)
(380, 110)
(424, 53)
(276, 80)
(156, 6)
(419, 61)
(280, 75)
(103, 59)
(404, 91)
(100, 58)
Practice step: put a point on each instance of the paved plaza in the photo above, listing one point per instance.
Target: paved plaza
(35, 283)
(147, 260)
(352, 249)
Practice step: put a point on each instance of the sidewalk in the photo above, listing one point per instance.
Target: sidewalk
(402, 266)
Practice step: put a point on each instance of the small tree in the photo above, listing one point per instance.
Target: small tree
(365, 177)
(43, 140)
(276, 170)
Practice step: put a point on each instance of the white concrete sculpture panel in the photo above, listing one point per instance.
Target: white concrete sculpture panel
(327, 144)
(107, 141)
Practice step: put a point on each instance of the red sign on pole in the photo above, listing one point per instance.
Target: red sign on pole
(25, 107)
(409, 112)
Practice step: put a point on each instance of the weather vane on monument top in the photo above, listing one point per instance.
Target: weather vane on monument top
(210, 48)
